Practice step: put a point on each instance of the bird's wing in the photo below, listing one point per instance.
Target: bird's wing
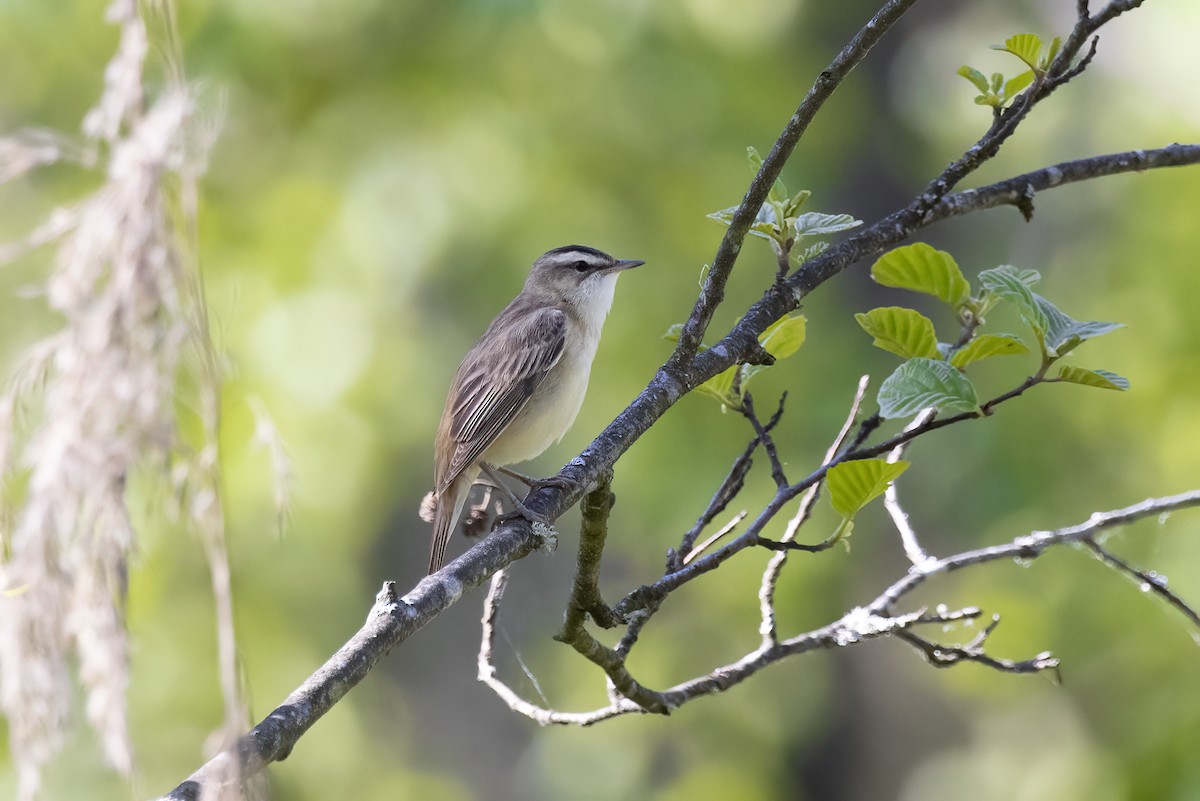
(497, 379)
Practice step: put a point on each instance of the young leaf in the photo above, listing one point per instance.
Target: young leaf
(720, 387)
(724, 216)
(852, 485)
(778, 190)
(812, 251)
(1093, 378)
(904, 332)
(766, 222)
(1012, 285)
(1064, 334)
(921, 268)
(920, 383)
(763, 225)
(1051, 53)
(814, 223)
(985, 346)
(1017, 84)
(785, 336)
(672, 333)
(976, 77)
(1025, 46)
(794, 203)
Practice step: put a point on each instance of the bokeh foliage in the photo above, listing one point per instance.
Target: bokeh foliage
(384, 175)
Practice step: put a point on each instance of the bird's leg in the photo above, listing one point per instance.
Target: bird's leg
(519, 508)
(557, 482)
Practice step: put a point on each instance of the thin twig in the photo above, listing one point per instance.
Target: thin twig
(721, 532)
(764, 436)
(1148, 580)
(734, 480)
(944, 656)
(891, 499)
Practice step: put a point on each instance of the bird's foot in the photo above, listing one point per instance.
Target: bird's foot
(521, 510)
(549, 482)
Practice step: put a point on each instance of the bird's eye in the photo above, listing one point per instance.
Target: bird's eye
(580, 266)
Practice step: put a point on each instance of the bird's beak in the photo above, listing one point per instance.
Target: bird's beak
(625, 264)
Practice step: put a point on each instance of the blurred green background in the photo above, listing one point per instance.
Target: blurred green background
(384, 175)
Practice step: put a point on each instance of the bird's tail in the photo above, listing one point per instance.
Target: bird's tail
(448, 505)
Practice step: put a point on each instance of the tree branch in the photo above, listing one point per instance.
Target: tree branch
(877, 620)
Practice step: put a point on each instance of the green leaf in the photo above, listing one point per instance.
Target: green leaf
(814, 223)
(794, 203)
(720, 387)
(852, 485)
(1012, 285)
(1093, 378)
(778, 190)
(1025, 46)
(672, 333)
(766, 223)
(1064, 334)
(724, 216)
(920, 383)
(1052, 52)
(785, 336)
(781, 339)
(1017, 84)
(921, 268)
(975, 77)
(904, 332)
(985, 346)
(763, 225)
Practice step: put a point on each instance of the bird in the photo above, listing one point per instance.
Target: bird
(520, 386)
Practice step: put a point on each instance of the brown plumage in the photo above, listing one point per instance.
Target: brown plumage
(520, 386)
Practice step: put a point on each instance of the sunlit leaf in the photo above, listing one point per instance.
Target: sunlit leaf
(1025, 46)
(1052, 52)
(985, 346)
(854, 484)
(904, 332)
(921, 383)
(1017, 84)
(785, 336)
(921, 268)
(1092, 378)
(720, 388)
(975, 77)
